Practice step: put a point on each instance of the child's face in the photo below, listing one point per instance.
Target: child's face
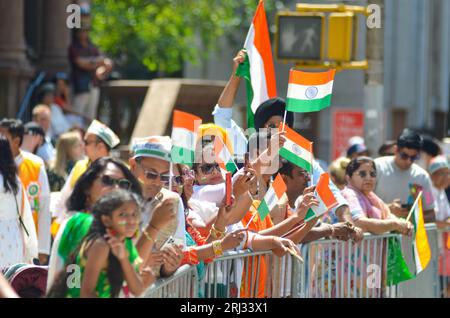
(125, 220)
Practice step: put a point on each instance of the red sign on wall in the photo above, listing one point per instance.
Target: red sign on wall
(345, 123)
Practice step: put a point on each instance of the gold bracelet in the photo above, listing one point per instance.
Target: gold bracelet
(148, 237)
(216, 234)
(217, 248)
(221, 232)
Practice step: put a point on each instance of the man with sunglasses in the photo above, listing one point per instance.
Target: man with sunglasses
(400, 179)
(150, 163)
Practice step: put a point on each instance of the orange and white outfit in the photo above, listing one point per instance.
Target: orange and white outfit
(31, 170)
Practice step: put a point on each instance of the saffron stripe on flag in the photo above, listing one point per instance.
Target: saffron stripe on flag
(323, 190)
(279, 186)
(310, 78)
(297, 138)
(185, 120)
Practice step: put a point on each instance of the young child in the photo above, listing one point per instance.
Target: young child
(107, 256)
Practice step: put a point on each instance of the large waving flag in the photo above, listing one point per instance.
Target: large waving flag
(272, 197)
(325, 197)
(421, 248)
(184, 135)
(223, 156)
(309, 92)
(258, 69)
(297, 149)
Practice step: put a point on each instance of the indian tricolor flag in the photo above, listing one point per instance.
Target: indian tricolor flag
(184, 135)
(297, 149)
(309, 92)
(325, 197)
(223, 156)
(258, 67)
(421, 248)
(272, 197)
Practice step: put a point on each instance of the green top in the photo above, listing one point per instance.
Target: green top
(77, 227)
(75, 231)
(103, 288)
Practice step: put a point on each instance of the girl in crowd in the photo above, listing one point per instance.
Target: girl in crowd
(102, 177)
(69, 149)
(107, 255)
(18, 239)
(368, 211)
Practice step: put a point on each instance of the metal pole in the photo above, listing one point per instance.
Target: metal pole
(374, 84)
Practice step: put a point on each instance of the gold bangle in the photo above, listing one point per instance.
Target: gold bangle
(217, 248)
(221, 232)
(148, 237)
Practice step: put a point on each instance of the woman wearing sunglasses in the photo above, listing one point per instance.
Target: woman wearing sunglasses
(102, 176)
(368, 211)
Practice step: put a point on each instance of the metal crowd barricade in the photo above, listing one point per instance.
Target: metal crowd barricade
(331, 269)
(246, 274)
(182, 284)
(337, 269)
(444, 261)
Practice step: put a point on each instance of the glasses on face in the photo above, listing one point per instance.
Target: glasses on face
(178, 180)
(111, 182)
(405, 156)
(208, 168)
(363, 174)
(88, 142)
(272, 125)
(151, 175)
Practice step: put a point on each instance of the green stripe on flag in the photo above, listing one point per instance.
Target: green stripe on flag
(310, 215)
(302, 163)
(243, 70)
(231, 166)
(306, 106)
(397, 269)
(182, 155)
(263, 210)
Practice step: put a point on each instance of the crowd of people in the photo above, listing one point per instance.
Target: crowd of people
(65, 201)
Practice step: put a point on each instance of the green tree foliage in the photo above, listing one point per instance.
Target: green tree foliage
(161, 34)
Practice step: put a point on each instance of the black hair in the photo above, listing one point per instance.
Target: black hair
(8, 167)
(431, 147)
(286, 167)
(77, 200)
(385, 146)
(355, 163)
(409, 139)
(14, 126)
(104, 206)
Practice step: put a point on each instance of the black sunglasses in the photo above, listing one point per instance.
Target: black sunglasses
(110, 182)
(405, 156)
(363, 174)
(208, 168)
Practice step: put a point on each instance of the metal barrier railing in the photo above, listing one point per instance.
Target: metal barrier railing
(182, 284)
(331, 269)
(444, 262)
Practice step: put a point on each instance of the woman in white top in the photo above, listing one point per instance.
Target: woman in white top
(18, 240)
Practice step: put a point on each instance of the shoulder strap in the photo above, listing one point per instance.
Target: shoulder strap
(19, 214)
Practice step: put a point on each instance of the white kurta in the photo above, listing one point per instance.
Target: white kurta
(15, 245)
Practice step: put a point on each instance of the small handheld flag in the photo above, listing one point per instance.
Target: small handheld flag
(184, 135)
(325, 197)
(309, 92)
